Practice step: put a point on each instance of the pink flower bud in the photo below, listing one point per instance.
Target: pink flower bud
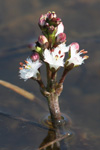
(48, 14)
(58, 20)
(75, 45)
(42, 39)
(61, 37)
(42, 20)
(51, 15)
(34, 56)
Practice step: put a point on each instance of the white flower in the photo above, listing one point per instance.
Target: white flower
(75, 55)
(60, 28)
(55, 57)
(63, 47)
(30, 69)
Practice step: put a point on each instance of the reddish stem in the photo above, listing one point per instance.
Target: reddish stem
(66, 70)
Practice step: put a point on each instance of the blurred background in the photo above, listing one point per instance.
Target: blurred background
(80, 98)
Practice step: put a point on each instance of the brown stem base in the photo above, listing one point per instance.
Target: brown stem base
(64, 122)
(54, 109)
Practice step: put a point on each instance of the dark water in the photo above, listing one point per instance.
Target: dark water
(81, 95)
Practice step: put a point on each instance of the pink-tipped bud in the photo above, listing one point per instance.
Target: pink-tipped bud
(75, 45)
(32, 46)
(58, 20)
(42, 40)
(34, 56)
(51, 15)
(61, 37)
(48, 14)
(42, 20)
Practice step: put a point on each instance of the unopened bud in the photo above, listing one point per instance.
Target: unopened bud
(61, 37)
(58, 20)
(51, 15)
(42, 20)
(75, 45)
(42, 40)
(34, 56)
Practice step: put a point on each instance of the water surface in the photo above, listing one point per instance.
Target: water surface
(80, 98)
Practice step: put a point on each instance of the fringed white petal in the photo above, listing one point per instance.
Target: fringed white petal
(30, 69)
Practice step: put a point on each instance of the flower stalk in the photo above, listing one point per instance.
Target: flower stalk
(50, 49)
(54, 108)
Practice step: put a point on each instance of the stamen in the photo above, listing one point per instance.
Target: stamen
(61, 56)
(59, 52)
(20, 68)
(26, 61)
(56, 57)
(25, 66)
(83, 51)
(21, 64)
(85, 57)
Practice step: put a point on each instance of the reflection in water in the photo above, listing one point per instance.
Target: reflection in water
(23, 134)
(57, 138)
(52, 141)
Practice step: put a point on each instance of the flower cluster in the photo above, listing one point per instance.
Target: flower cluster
(50, 48)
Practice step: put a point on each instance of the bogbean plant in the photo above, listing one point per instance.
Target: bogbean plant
(50, 50)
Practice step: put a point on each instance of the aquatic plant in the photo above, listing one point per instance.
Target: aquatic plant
(50, 49)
